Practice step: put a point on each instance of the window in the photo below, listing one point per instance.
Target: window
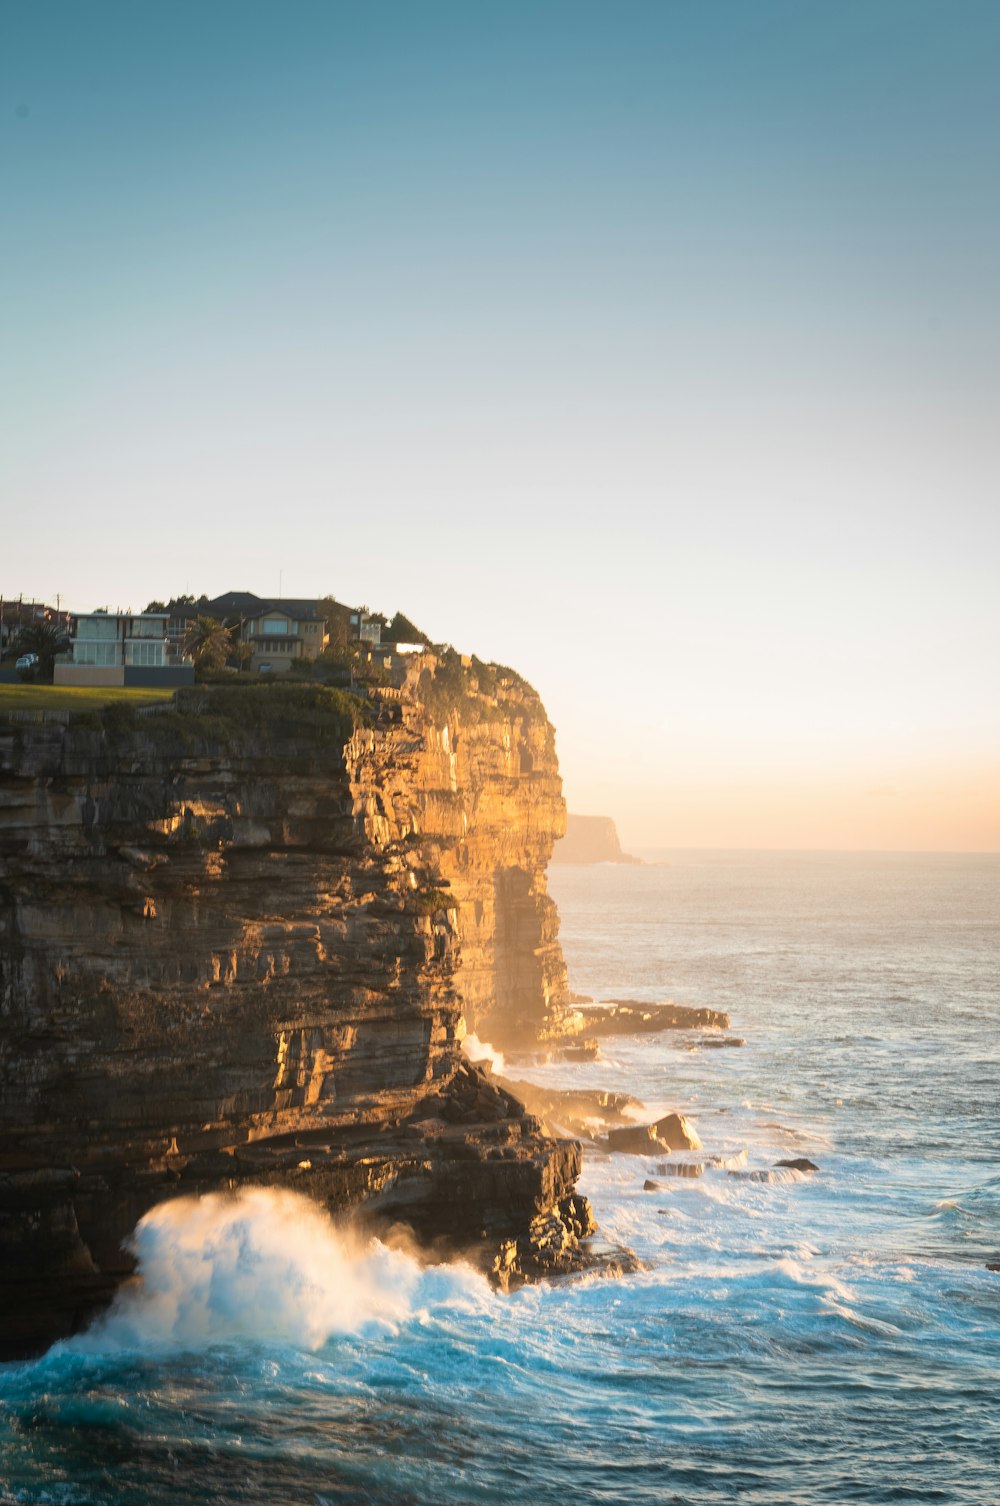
(95, 653)
(145, 654)
(97, 629)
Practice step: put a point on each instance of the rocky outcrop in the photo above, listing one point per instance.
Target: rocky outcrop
(633, 1017)
(590, 839)
(672, 1132)
(237, 942)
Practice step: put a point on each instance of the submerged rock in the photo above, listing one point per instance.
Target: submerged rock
(800, 1163)
(673, 1169)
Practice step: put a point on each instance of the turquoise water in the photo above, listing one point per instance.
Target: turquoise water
(796, 1339)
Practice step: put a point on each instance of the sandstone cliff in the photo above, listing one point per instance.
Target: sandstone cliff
(237, 940)
(590, 839)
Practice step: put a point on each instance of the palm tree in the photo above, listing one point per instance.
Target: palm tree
(208, 643)
(43, 639)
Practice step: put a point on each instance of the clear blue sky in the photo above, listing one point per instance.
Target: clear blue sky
(650, 347)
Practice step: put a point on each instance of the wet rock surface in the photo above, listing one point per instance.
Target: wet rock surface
(672, 1132)
(633, 1017)
(560, 1243)
(581, 1111)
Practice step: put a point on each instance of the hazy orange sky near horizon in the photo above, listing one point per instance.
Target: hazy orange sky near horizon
(651, 351)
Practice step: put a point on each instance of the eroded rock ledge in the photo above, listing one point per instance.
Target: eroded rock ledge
(237, 940)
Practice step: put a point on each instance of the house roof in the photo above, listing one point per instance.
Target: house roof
(246, 604)
(234, 604)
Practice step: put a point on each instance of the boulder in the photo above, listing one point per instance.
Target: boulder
(583, 1051)
(672, 1132)
(677, 1132)
(636, 1140)
(800, 1163)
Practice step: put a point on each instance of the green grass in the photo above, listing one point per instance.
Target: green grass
(74, 697)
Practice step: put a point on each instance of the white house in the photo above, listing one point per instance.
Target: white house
(123, 648)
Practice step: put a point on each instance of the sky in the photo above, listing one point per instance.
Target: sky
(651, 348)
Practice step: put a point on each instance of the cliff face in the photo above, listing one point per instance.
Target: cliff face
(236, 944)
(590, 839)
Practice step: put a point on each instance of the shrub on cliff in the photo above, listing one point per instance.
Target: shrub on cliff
(265, 703)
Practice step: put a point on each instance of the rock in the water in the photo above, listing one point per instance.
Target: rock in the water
(583, 1051)
(633, 1017)
(680, 1169)
(677, 1132)
(800, 1163)
(559, 1243)
(650, 1186)
(636, 1140)
(672, 1132)
(993, 1265)
(724, 1040)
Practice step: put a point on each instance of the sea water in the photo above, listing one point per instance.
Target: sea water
(794, 1338)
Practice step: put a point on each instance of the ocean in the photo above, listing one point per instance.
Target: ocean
(796, 1338)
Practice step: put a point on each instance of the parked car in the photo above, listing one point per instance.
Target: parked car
(27, 661)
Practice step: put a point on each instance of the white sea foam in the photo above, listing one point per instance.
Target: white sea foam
(478, 1051)
(261, 1264)
(771, 1175)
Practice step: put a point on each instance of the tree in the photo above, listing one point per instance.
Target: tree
(402, 630)
(338, 620)
(208, 643)
(43, 639)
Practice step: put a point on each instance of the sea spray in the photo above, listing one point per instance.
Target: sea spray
(259, 1264)
(479, 1051)
(816, 1339)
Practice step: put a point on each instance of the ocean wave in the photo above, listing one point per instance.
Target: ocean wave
(261, 1265)
(773, 1174)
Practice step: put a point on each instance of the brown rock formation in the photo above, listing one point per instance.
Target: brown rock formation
(236, 943)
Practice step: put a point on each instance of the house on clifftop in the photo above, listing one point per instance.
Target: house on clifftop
(284, 631)
(122, 648)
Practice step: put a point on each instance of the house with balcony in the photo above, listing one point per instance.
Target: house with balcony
(122, 648)
(282, 632)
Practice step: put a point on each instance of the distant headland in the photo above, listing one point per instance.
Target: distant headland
(590, 839)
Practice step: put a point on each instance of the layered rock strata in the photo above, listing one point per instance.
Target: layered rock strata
(237, 940)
